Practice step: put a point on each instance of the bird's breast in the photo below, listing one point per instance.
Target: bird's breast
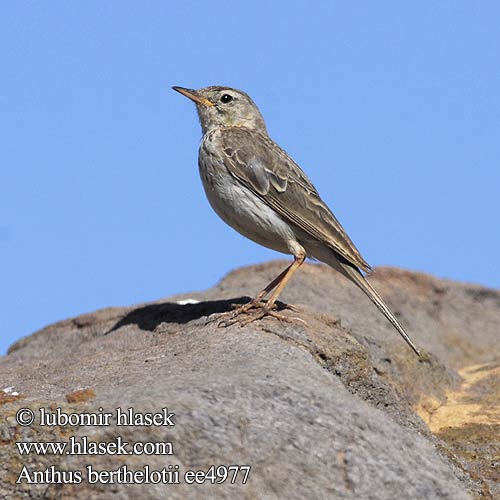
(238, 206)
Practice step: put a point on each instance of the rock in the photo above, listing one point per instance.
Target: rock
(338, 407)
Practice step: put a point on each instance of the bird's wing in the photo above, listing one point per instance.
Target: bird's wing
(264, 168)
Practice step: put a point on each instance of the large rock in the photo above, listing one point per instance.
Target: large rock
(338, 407)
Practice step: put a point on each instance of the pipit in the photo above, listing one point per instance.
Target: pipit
(256, 188)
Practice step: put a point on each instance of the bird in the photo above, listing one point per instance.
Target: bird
(257, 189)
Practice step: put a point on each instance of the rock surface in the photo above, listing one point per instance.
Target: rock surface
(338, 407)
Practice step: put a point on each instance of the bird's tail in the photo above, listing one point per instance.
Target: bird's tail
(354, 274)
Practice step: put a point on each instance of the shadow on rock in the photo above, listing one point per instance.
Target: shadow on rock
(150, 316)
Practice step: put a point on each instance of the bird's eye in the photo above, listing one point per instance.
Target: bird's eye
(226, 98)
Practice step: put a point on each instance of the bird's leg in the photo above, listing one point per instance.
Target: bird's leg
(266, 309)
(255, 302)
(285, 277)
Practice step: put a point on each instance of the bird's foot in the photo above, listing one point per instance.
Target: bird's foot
(253, 311)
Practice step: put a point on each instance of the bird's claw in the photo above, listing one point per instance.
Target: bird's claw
(253, 311)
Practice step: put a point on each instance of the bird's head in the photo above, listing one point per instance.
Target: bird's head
(224, 107)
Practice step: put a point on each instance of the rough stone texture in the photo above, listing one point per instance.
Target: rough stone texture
(336, 408)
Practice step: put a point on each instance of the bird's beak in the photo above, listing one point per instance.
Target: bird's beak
(193, 95)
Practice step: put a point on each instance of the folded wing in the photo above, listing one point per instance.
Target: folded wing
(264, 168)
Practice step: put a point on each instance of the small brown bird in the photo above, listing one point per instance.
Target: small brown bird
(256, 188)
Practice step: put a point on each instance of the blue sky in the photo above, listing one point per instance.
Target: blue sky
(390, 107)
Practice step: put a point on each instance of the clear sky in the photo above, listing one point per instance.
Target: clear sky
(392, 108)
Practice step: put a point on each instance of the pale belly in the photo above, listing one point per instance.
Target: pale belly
(244, 211)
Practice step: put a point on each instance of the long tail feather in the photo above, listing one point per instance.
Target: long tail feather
(356, 276)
